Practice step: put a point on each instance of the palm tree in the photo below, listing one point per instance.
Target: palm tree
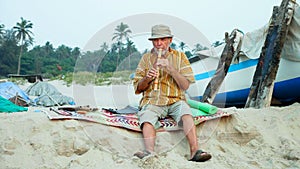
(2, 31)
(217, 43)
(129, 47)
(48, 48)
(173, 45)
(104, 47)
(119, 46)
(199, 47)
(23, 34)
(122, 31)
(63, 52)
(182, 46)
(75, 53)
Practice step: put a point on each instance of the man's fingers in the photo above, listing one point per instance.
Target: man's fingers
(152, 73)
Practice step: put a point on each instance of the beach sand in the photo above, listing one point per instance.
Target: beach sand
(250, 138)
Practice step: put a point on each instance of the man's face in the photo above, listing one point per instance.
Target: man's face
(162, 43)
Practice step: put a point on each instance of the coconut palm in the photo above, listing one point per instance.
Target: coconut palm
(122, 31)
(217, 43)
(173, 46)
(182, 46)
(104, 47)
(199, 47)
(130, 48)
(2, 31)
(24, 36)
(48, 48)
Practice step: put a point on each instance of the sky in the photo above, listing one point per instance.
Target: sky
(78, 23)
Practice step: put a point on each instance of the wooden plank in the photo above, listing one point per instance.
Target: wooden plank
(232, 47)
(263, 81)
(30, 78)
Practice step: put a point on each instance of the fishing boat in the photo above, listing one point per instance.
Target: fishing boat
(235, 88)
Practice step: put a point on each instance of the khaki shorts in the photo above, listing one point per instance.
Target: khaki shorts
(151, 113)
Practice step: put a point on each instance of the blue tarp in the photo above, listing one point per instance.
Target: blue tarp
(9, 90)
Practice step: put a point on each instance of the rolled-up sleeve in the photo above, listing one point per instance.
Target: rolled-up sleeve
(186, 69)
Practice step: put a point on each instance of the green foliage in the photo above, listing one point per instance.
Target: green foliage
(199, 47)
(188, 54)
(84, 78)
(108, 65)
(8, 54)
(217, 43)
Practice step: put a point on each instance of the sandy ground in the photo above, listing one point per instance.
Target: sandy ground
(251, 138)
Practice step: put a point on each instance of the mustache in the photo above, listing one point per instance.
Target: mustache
(163, 52)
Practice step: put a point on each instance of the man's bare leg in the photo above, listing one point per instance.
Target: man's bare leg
(149, 134)
(190, 132)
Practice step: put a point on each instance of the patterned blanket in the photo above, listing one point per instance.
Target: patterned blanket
(128, 121)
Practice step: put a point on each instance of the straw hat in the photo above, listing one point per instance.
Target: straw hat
(160, 31)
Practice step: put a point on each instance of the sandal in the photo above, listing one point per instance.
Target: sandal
(142, 154)
(201, 156)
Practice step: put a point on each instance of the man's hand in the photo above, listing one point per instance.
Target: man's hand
(164, 64)
(144, 83)
(181, 81)
(152, 73)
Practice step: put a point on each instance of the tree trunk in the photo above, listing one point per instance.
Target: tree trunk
(19, 61)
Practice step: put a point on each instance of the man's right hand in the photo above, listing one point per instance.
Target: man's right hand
(152, 73)
(144, 83)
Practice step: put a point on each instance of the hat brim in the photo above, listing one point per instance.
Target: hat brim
(160, 36)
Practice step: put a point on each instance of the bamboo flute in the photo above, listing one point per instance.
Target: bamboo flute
(157, 75)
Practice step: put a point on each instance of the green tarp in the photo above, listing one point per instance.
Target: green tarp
(8, 106)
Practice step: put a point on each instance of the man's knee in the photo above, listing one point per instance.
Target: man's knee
(186, 117)
(146, 125)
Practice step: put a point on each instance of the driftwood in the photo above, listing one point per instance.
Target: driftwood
(229, 51)
(263, 81)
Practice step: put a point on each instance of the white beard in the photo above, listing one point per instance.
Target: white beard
(163, 52)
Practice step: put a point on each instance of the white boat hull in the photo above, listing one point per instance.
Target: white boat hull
(236, 85)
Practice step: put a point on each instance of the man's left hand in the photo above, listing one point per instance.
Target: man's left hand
(164, 64)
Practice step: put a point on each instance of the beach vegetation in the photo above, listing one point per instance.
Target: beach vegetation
(109, 64)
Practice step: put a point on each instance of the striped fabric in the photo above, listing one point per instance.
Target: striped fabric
(131, 121)
(168, 91)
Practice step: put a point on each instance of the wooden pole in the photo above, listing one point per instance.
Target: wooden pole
(263, 81)
(229, 51)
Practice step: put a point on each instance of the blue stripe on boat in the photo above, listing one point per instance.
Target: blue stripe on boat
(284, 91)
(232, 68)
